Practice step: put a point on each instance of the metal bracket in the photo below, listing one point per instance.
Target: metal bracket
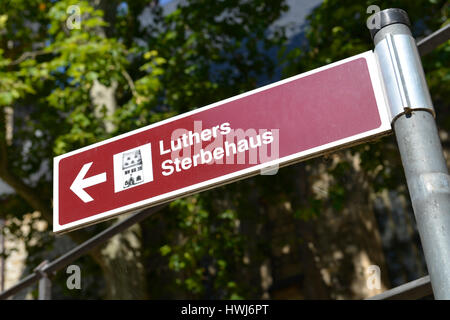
(402, 74)
(41, 266)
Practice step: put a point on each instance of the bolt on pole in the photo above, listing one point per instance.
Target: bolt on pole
(412, 115)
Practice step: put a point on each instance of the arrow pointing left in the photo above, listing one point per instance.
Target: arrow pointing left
(80, 183)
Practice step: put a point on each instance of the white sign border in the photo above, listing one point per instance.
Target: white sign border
(383, 129)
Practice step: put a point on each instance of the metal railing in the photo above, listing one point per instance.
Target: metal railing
(413, 290)
(421, 287)
(429, 43)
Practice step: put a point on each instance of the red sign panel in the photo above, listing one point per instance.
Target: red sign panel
(307, 115)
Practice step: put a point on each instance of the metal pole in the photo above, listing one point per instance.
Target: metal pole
(413, 290)
(417, 136)
(99, 239)
(45, 288)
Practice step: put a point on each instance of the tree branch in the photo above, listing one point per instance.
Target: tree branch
(28, 193)
(127, 76)
(25, 191)
(31, 195)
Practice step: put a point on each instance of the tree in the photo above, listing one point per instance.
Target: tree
(71, 83)
(337, 30)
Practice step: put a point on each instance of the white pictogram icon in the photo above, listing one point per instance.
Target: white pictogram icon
(133, 168)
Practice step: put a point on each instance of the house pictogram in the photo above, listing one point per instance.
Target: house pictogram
(132, 168)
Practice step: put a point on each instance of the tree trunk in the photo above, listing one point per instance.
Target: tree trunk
(348, 241)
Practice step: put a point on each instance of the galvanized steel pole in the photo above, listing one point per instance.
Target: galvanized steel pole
(45, 288)
(45, 284)
(412, 115)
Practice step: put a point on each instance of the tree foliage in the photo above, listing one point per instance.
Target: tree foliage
(201, 52)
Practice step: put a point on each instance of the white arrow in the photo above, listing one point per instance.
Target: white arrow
(80, 183)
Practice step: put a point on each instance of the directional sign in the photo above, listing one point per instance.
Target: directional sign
(310, 114)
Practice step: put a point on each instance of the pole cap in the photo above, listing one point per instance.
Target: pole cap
(387, 17)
